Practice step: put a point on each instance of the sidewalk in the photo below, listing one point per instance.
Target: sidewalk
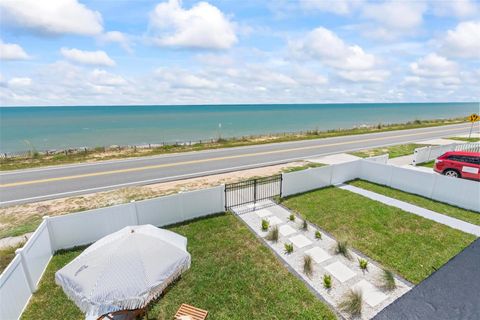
(419, 211)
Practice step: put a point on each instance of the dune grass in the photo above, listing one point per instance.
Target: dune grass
(233, 276)
(440, 207)
(36, 159)
(408, 244)
(303, 167)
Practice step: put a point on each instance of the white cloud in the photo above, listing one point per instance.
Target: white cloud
(116, 37)
(351, 61)
(340, 7)
(434, 65)
(463, 41)
(12, 51)
(52, 17)
(458, 8)
(104, 78)
(393, 18)
(202, 26)
(87, 57)
(20, 82)
(182, 79)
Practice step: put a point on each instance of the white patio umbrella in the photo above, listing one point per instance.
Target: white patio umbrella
(124, 270)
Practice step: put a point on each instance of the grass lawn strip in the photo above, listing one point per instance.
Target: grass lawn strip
(440, 207)
(393, 151)
(407, 244)
(233, 276)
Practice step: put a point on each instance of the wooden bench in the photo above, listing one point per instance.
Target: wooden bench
(191, 311)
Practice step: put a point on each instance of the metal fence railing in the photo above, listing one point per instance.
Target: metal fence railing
(252, 191)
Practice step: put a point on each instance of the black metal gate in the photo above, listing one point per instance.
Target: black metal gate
(252, 191)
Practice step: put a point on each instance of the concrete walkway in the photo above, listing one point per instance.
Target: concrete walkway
(419, 211)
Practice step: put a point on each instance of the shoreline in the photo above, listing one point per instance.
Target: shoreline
(34, 158)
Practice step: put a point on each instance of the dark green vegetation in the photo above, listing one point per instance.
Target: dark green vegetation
(440, 207)
(35, 159)
(7, 255)
(233, 276)
(428, 164)
(466, 139)
(388, 280)
(406, 243)
(393, 151)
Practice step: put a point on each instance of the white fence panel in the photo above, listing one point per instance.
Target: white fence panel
(425, 154)
(383, 158)
(458, 192)
(14, 290)
(88, 226)
(305, 180)
(375, 172)
(344, 172)
(37, 252)
(203, 202)
(412, 181)
(160, 211)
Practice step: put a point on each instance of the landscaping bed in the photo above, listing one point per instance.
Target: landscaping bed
(408, 244)
(440, 207)
(233, 276)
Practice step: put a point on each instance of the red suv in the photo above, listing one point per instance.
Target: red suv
(459, 164)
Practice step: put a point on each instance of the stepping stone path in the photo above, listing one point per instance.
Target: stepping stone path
(346, 273)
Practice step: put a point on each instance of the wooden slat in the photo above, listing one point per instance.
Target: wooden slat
(188, 310)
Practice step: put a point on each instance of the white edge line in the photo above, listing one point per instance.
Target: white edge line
(154, 157)
(185, 176)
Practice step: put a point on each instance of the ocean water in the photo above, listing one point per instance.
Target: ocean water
(47, 128)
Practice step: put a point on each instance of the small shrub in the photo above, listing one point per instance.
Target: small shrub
(342, 248)
(305, 225)
(352, 303)
(363, 264)
(318, 235)
(292, 217)
(273, 234)
(265, 224)
(308, 265)
(288, 248)
(327, 281)
(388, 280)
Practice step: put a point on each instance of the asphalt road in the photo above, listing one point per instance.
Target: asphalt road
(30, 185)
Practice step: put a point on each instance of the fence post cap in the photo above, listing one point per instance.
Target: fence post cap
(131, 201)
(19, 251)
(45, 217)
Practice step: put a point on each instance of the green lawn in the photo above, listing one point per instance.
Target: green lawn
(393, 151)
(303, 167)
(233, 276)
(428, 164)
(440, 207)
(408, 244)
(465, 139)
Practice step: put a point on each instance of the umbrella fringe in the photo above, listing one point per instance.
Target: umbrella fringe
(90, 308)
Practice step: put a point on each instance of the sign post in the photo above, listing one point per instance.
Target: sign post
(472, 118)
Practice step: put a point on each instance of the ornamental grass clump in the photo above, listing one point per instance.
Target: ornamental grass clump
(291, 217)
(308, 265)
(363, 264)
(388, 280)
(288, 248)
(327, 281)
(318, 235)
(352, 303)
(342, 248)
(305, 225)
(273, 234)
(265, 224)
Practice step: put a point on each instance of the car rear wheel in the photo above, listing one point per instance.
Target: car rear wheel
(451, 173)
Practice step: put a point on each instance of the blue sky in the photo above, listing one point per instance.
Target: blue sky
(73, 52)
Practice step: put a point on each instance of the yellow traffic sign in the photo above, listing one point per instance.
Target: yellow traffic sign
(474, 117)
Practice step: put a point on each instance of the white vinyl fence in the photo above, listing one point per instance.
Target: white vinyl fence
(20, 279)
(425, 154)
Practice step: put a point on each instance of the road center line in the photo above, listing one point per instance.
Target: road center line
(166, 165)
